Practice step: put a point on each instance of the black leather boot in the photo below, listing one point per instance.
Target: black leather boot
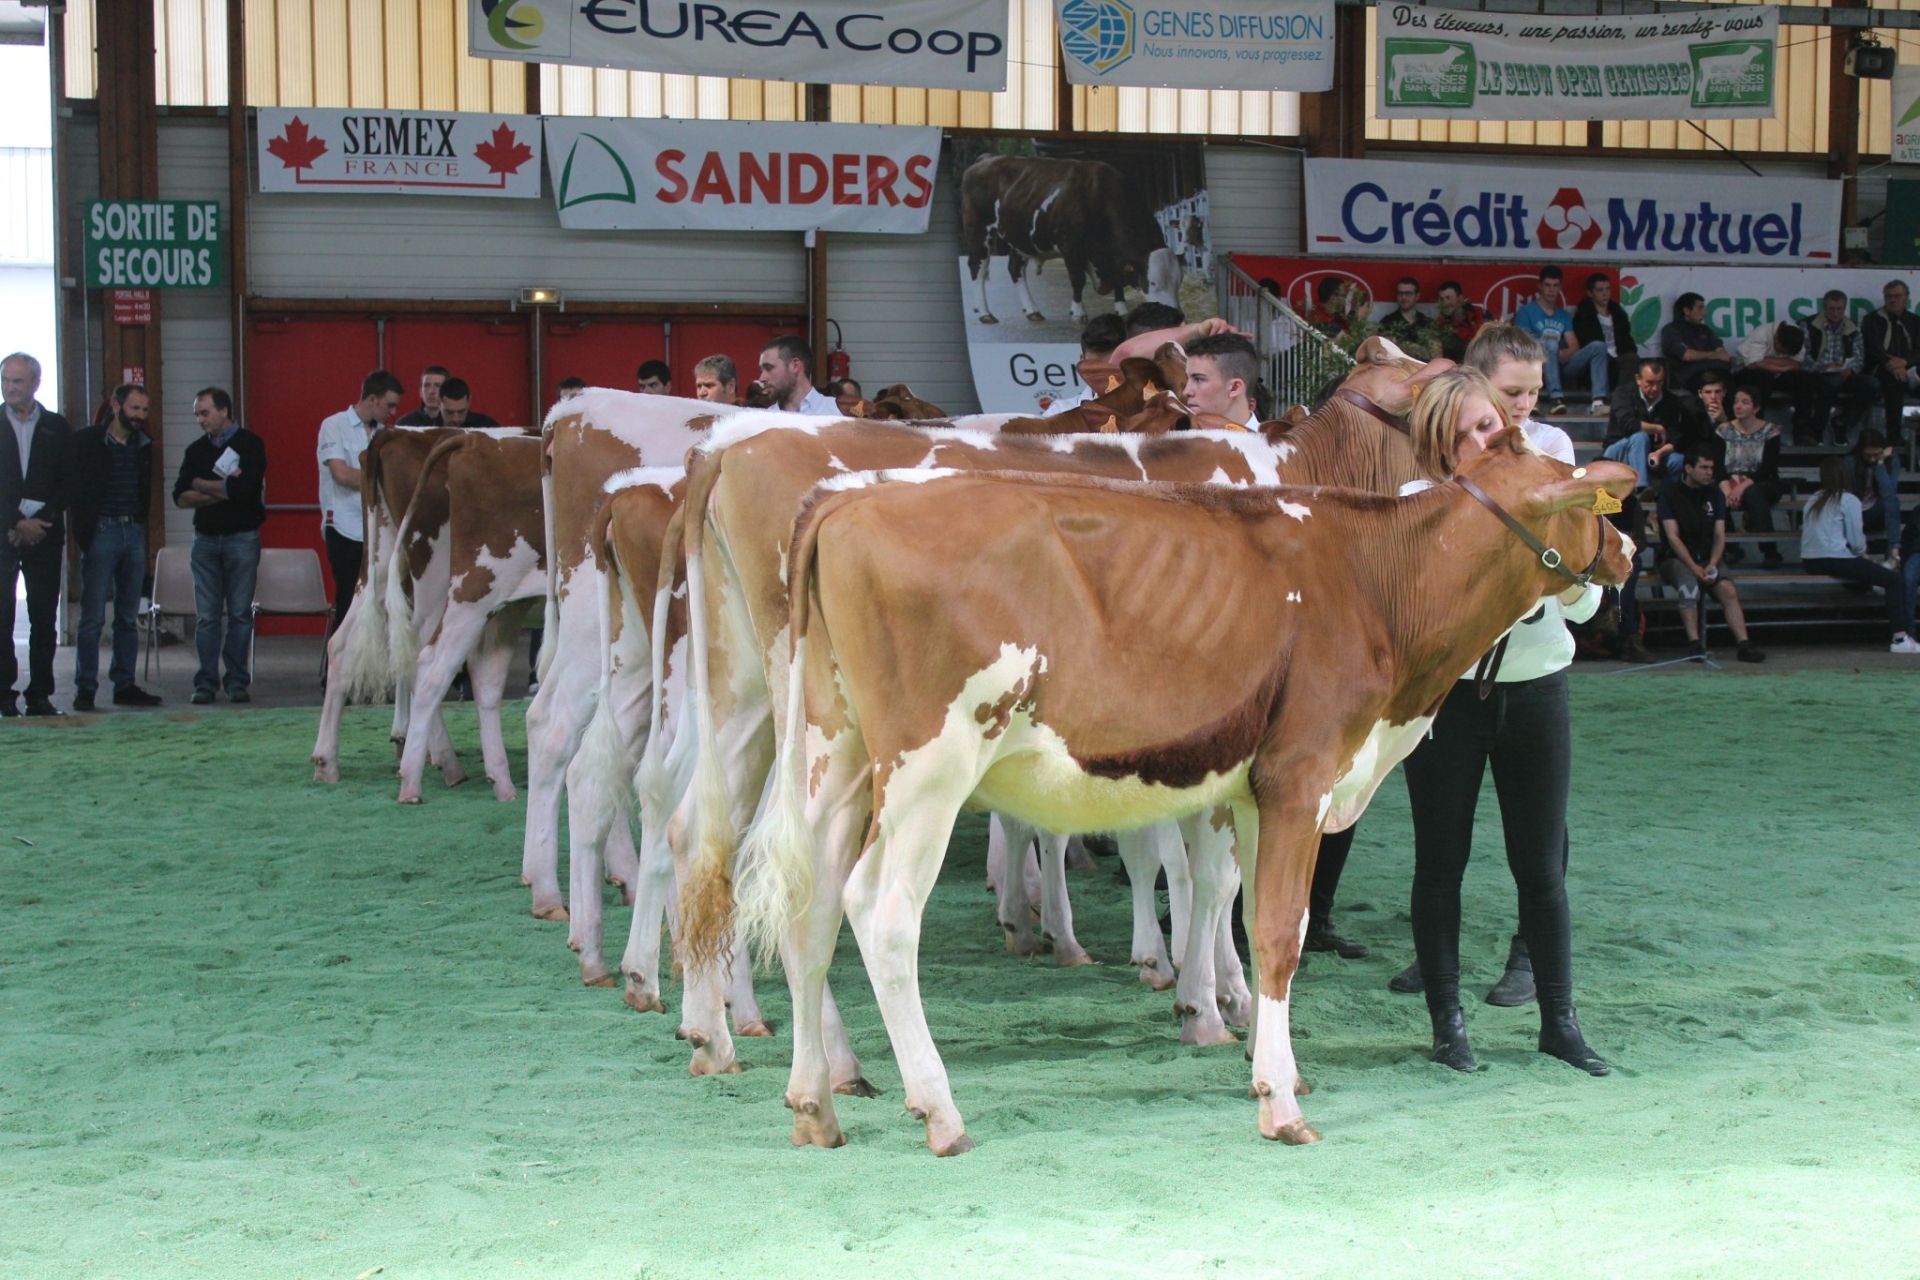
(1560, 1036)
(1408, 981)
(1450, 1047)
(1324, 938)
(1516, 984)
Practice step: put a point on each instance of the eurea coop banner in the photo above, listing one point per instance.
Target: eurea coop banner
(1054, 232)
(1395, 209)
(930, 44)
(629, 174)
(331, 151)
(1224, 44)
(1707, 64)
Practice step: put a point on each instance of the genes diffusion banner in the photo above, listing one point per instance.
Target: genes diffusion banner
(933, 44)
(1393, 209)
(325, 150)
(1055, 231)
(713, 175)
(1226, 44)
(1707, 64)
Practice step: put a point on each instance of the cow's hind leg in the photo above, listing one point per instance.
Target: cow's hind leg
(556, 721)
(747, 1018)
(1077, 277)
(1056, 910)
(487, 666)
(979, 267)
(1015, 841)
(1017, 268)
(1139, 854)
(1209, 845)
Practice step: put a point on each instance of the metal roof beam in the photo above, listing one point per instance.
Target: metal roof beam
(1791, 15)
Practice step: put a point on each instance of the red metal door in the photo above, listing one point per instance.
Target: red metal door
(603, 350)
(489, 352)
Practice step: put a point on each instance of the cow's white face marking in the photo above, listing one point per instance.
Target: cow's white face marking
(1386, 746)
(1293, 597)
(1298, 510)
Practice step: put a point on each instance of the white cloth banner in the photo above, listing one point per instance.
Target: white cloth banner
(1393, 209)
(933, 44)
(1229, 44)
(1906, 115)
(1707, 64)
(1740, 299)
(713, 175)
(435, 153)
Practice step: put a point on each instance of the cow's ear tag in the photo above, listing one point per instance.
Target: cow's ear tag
(1605, 504)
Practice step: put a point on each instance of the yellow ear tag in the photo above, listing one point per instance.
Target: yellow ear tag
(1605, 504)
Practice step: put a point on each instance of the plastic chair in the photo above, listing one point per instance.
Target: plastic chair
(289, 584)
(172, 596)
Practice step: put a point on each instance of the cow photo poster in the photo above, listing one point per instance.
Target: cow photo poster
(1053, 232)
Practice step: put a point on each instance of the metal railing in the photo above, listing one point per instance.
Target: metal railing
(1297, 361)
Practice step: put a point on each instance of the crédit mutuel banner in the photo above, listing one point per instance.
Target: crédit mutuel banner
(440, 153)
(1712, 63)
(932, 44)
(1393, 209)
(659, 175)
(1222, 44)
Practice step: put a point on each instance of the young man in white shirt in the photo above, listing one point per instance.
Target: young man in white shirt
(784, 365)
(343, 441)
(1222, 370)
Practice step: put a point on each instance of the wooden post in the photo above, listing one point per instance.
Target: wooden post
(1843, 119)
(533, 88)
(1334, 124)
(238, 193)
(819, 107)
(1062, 92)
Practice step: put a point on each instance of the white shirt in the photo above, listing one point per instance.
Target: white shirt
(1539, 644)
(344, 437)
(23, 433)
(816, 403)
(1059, 407)
(1834, 532)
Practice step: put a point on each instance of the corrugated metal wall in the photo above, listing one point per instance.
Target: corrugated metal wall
(26, 216)
(1255, 200)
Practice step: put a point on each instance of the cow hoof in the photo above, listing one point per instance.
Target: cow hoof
(1300, 1087)
(505, 795)
(627, 896)
(454, 777)
(1036, 317)
(410, 799)
(596, 975)
(554, 910)
(1204, 1034)
(325, 771)
(959, 1146)
(810, 1129)
(705, 1065)
(1151, 975)
(856, 1088)
(1021, 945)
(640, 1000)
(1295, 1133)
(1071, 957)
(755, 1029)
(987, 317)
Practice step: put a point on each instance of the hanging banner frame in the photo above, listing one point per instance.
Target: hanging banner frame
(344, 151)
(1284, 45)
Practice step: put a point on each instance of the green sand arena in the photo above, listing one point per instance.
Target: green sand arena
(251, 1026)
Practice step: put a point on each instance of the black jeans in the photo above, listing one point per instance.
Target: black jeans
(1756, 506)
(343, 557)
(1893, 397)
(1523, 730)
(1868, 573)
(40, 566)
(1334, 847)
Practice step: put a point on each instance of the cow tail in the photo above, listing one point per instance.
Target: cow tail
(550, 614)
(604, 752)
(706, 899)
(364, 667)
(773, 881)
(402, 643)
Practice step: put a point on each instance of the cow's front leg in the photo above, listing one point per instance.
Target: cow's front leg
(1139, 853)
(1017, 268)
(1077, 278)
(1289, 820)
(978, 268)
(747, 1018)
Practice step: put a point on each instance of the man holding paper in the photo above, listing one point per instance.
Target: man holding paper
(222, 479)
(35, 479)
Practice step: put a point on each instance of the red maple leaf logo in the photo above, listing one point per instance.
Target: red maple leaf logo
(297, 148)
(503, 153)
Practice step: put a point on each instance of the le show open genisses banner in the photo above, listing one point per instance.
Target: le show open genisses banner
(1399, 209)
(711, 175)
(1710, 64)
(930, 44)
(323, 150)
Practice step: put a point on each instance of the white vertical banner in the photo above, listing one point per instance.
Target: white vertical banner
(1227, 44)
(1906, 114)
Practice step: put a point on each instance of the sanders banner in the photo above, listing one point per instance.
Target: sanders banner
(1391, 209)
(1906, 115)
(1227, 44)
(930, 44)
(669, 175)
(1707, 64)
(437, 153)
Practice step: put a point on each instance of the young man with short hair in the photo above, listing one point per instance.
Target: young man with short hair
(456, 407)
(222, 480)
(1552, 327)
(1457, 319)
(1693, 526)
(1601, 322)
(1098, 340)
(1407, 327)
(1222, 371)
(432, 378)
(655, 378)
(784, 366)
(570, 387)
(716, 379)
(343, 442)
(112, 490)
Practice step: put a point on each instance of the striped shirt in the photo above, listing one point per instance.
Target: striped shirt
(120, 496)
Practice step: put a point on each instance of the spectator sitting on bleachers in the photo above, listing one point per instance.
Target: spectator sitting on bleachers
(1551, 325)
(1713, 413)
(1893, 354)
(1746, 457)
(1830, 375)
(1330, 314)
(1407, 327)
(1690, 346)
(1647, 426)
(1833, 542)
(1768, 352)
(1693, 526)
(1457, 320)
(1873, 476)
(1602, 322)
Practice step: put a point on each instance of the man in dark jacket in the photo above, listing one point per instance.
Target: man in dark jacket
(1600, 319)
(36, 455)
(1830, 375)
(222, 479)
(112, 488)
(1893, 354)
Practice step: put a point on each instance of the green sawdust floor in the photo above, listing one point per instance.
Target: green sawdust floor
(250, 1026)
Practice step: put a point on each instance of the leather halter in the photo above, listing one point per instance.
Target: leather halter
(1549, 557)
(1369, 407)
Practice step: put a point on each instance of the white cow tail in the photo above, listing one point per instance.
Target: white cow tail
(706, 901)
(652, 782)
(403, 647)
(773, 874)
(604, 752)
(550, 614)
(365, 673)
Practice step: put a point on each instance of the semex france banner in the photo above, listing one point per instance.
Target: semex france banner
(931, 44)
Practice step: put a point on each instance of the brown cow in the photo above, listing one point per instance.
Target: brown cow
(1089, 655)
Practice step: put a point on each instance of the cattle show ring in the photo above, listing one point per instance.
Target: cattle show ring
(959, 638)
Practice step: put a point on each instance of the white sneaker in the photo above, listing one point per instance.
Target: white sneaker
(1598, 409)
(1905, 644)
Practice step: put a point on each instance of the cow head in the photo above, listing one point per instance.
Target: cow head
(1275, 429)
(757, 396)
(898, 401)
(1389, 377)
(1163, 277)
(1564, 507)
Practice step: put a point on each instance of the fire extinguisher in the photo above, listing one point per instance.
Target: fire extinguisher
(839, 363)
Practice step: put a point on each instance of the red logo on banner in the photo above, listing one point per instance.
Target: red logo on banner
(297, 149)
(503, 153)
(1567, 224)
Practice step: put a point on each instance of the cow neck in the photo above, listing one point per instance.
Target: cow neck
(1340, 445)
(1443, 610)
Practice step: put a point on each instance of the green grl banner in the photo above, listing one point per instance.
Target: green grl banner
(1741, 299)
(1906, 115)
(1715, 64)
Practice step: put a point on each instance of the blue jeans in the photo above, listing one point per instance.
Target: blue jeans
(1591, 360)
(117, 562)
(224, 567)
(1633, 451)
